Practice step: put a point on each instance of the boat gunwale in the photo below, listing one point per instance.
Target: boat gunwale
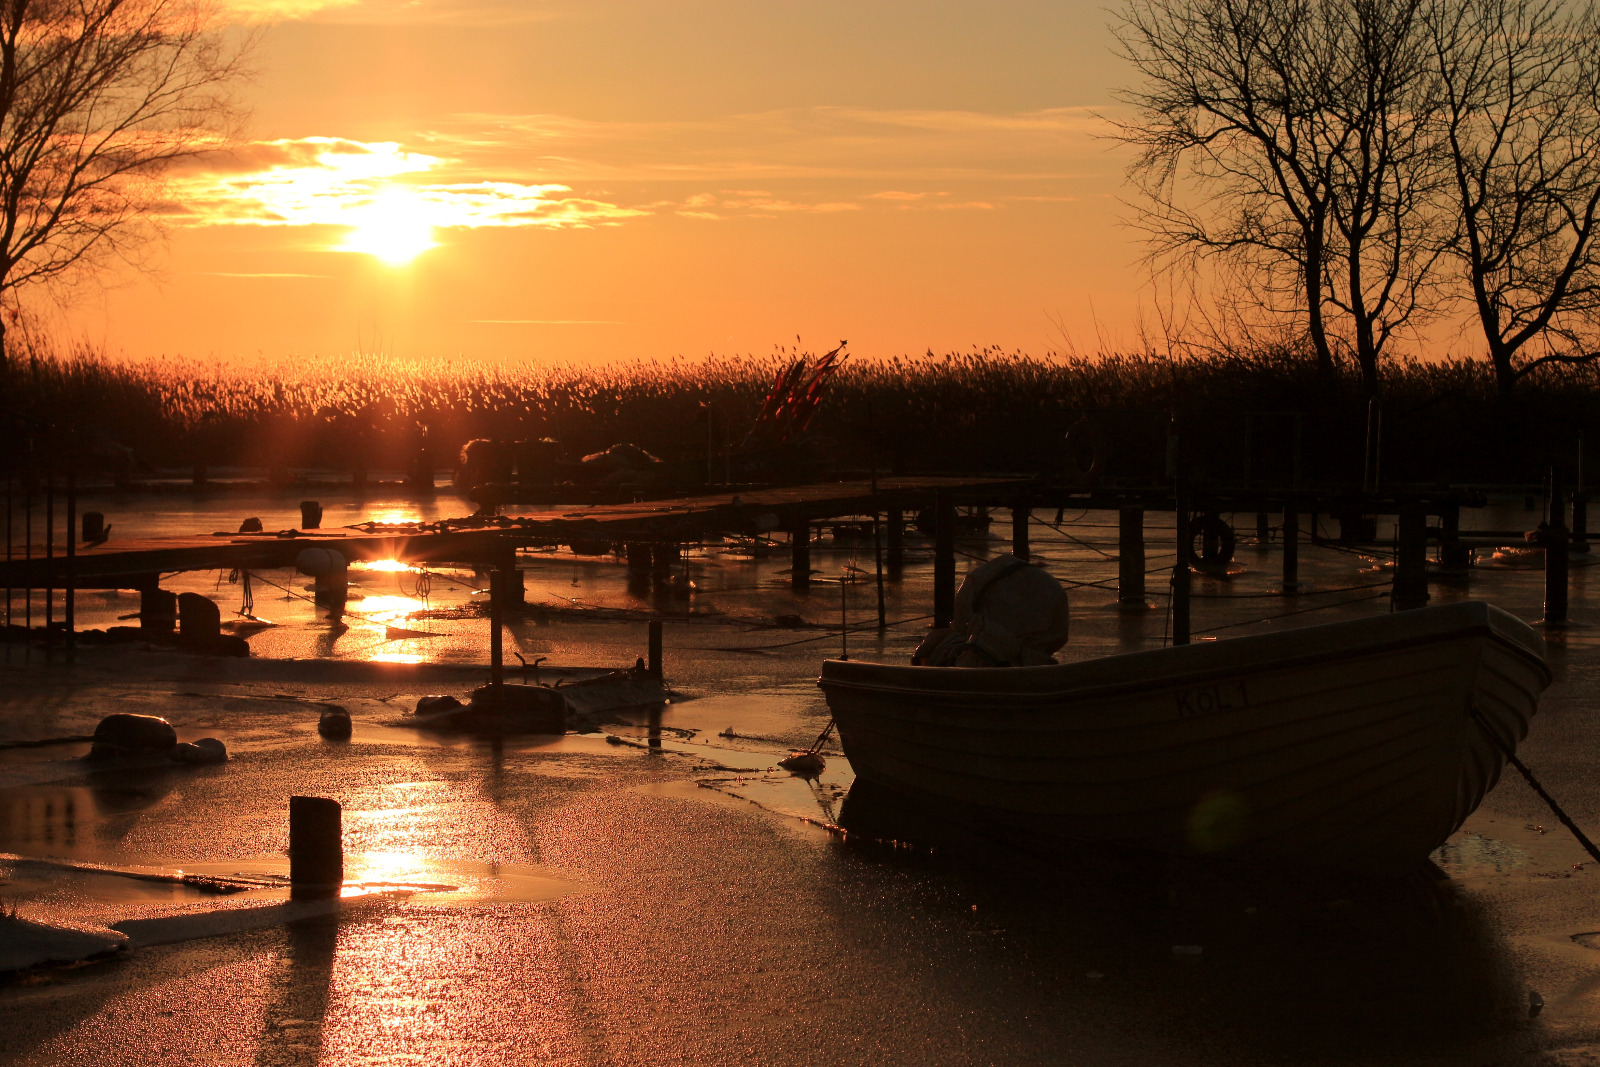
(934, 682)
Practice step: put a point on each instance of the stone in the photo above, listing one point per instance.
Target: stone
(532, 709)
(207, 750)
(433, 705)
(334, 724)
(199, 618)
(123, 734)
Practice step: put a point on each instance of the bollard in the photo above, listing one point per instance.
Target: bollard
(316, 847)
(1020, 513)
(800, 557)
(1130, 557)
(653, 664)
(895, 542)
(1291, 549)
(310, 515)
(944, 561)
(1411, 558)
(1555, 566)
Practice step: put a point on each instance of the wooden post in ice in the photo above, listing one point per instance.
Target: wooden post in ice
(944, 561)
(1555, 561)
(316, 847)
(1181, 577)
(1291, 549)
(1411, 558)
(497, 583)
(1130, 557)
(800, 556)
(895, 542)
(653, 663)
(1021, 510)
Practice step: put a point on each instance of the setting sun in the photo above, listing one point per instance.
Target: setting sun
(394, 228)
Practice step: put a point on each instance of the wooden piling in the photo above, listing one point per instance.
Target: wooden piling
(1580, 521)
(1130, 557)
(1411, 558)
(877, 559)
(1263, 528)
(71, 608)
(1291, 549)
(316, 847)
(1455, 558)
(1021, 509)
(895, 542)
(653, 663)
(1556, 567)
(944, 560)
(800, 557)
(1181, 576)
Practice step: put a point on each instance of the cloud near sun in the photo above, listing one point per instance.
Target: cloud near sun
(474, 173)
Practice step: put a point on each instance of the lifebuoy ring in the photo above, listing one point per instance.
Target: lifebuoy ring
(1087, 450)
(1215, 537)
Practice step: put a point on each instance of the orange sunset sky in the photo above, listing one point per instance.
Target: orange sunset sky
(641, 179)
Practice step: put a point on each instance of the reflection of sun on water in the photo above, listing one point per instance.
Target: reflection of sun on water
(394, 228)
(385, 565)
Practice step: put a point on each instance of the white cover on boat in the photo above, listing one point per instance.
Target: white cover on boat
(1008, 613)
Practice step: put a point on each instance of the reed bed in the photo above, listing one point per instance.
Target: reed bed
(1236, 415)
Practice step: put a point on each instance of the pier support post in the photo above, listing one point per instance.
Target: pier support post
(316, 847)
(1555, 564)
(653, 663)
(1291, 549)
(1580, 522)
(944, 561)
(800, 556)
(1181, 577)
(663, 557)
(895, 542)
(1021, 509)
(1263, 529)
(1411, 558)
(639, 559)
(1130, 557)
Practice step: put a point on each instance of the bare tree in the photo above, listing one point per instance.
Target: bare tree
(1290, 138)
(1521, 81)
(97, 98)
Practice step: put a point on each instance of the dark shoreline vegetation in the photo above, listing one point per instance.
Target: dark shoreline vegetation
(1237, 417)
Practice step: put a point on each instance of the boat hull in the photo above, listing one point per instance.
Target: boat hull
(1353, 744)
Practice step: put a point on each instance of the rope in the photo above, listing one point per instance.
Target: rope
(1511, 757)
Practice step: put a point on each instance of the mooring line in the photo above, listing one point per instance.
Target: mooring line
(1511, 757)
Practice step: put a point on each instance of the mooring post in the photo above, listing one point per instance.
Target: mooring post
(497, 612)
(1181, 577)
(1130, 557)
(1555, 562)
(896, 542)
(1021, 511)
(800, 556)
(316, 847)
(944, 560)
(653, 664)
(1411, 558)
